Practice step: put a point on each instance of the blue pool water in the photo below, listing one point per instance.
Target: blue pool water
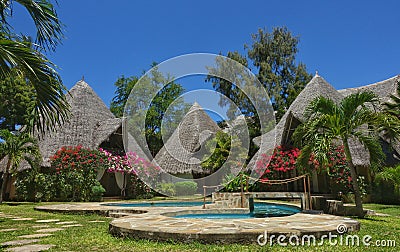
(261, 210)
(159, 204)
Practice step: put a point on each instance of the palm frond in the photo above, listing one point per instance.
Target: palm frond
(48, 26)
(372, 144)
(350, 104)
(393, 107)
(320, 105)
(52, 107)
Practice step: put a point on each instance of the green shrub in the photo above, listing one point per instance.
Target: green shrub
(167, 189)
(386, 186)
(185, 188)
(33, 185)
(97, 192)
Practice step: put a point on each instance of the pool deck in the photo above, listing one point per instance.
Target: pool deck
(158, 223)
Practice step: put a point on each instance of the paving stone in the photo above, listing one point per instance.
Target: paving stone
(22, 219)
(40, 226)
(48, 230)
(32, 236)
(18, 242)
(65, 222)
(47, 221)
(72, 225)
(8, 230)
(31, 248)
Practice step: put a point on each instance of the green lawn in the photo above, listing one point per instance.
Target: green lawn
(93, 236)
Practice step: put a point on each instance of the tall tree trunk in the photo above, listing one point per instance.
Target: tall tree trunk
(5, 181)
(354, 183)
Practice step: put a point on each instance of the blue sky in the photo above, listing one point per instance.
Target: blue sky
(350, 43)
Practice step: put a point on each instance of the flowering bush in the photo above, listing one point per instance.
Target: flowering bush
(138, 168)
(76, 172)
(338, 170)
(284, 160)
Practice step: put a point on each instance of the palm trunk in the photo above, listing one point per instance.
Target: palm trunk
(5, 181)
(353, 173)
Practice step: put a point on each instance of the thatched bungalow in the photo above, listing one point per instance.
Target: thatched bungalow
(182, 153)
(91, 125)
(318, 86)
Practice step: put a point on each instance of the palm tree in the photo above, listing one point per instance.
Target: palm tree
(16, 148)
(353, 119)
(393, 107)
(31, 63)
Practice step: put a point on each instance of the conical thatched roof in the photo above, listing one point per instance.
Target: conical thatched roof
(183, 151)
(91, 123)
(319, 87)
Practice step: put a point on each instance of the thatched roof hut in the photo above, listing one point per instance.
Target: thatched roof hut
(183, 151)
(315, 88)
(91, 124)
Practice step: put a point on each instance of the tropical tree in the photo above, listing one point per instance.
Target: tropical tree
(16, 147)
(16, 52)
(17, 102)
(273, 55)
(353, 119)
(165, 111)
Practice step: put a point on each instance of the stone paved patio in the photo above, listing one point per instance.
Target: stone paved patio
(158, 223)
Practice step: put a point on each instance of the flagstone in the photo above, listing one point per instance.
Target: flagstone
(72, 225)
(48, 221)
(19, 242)
(32, 236)
(49, 230)
(8, 229)
(22, 219)
(31, 248)
(65, 222)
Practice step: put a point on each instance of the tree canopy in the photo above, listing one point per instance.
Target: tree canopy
(273, 55)
(164, 112)
(18, 102)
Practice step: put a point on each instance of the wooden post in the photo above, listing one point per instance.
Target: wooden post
(241, 191)
(247, 184)
(204, 197)
(305, 194)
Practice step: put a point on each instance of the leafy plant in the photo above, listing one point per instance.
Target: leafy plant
(97, 192)
(233, 183)
(33, 185)
(16, 147)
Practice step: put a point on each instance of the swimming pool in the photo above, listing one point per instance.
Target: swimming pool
(158, 204)
(261, 210)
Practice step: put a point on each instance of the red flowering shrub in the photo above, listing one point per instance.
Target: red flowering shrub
(281, 161)
(76, 172)
(284, 160)
(338, 170)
